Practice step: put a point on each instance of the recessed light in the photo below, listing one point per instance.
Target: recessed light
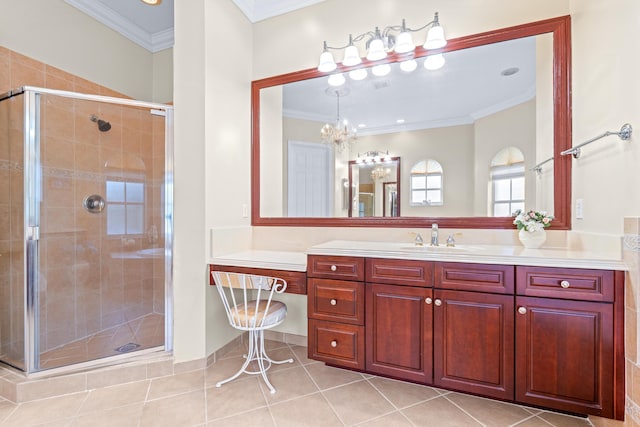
(400, 121)
(152, 2)
(510, 71)
(362, 125)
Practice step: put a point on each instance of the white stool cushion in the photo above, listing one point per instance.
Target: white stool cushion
(246, 315)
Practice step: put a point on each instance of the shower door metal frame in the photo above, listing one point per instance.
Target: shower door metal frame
(33, 195)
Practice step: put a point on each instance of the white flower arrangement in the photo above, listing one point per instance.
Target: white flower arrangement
(532, 220)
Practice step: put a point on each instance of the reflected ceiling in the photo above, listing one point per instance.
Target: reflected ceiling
(442, 99)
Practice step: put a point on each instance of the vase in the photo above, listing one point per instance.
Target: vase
(532, 239)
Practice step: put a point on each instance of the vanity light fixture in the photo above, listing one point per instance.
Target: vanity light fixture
(379, 42)
(373, 157)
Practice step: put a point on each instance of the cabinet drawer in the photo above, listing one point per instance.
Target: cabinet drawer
(499, 279)
(336, 300)
(566, 283)
(337, 343)
(335, 267)
(399, 272)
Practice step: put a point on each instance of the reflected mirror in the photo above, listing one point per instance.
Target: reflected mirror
(505, 89)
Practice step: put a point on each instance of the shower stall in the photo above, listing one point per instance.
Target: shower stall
(86, 210)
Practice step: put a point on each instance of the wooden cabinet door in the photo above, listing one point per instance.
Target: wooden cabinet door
(564, 355)
(473, 342)
(398, 328)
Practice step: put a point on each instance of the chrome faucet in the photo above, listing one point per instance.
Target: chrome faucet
(434, 234)
(450, 241)
(418, 240)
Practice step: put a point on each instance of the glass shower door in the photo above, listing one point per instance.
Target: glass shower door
(99, 198)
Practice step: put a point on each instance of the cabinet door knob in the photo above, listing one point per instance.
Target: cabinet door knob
(333, 302)
(428, 300)
(438, 302)
(334, 268)
(522, 310)
(565, 284)
(334, 343)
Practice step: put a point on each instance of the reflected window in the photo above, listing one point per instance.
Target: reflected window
(426, 184)
(507, 182)
(125, 208)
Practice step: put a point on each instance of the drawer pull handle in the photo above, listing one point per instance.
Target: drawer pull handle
(333, 302)
(334, 268)
(522, 310)
(565, 284)
(428, 300)
(438, 302)
(334, 343)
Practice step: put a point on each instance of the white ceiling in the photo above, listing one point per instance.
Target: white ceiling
(152, 26)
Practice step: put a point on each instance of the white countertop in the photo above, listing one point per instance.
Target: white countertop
(272, 260)
(482, 254)
(485, 254)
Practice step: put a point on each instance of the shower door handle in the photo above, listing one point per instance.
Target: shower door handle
(33, 233)
(94, 203)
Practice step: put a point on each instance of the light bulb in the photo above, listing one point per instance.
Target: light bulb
(435, 38)
(381, 70)
(327, 63)
(376, 50)
(404, 43)
(351, 56)
(434, 62)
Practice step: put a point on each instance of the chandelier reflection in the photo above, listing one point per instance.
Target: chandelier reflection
(342, 134)
(380, 173)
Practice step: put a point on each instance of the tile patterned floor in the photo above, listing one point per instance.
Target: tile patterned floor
(308, 394)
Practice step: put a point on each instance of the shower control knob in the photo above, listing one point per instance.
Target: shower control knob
(94, 203)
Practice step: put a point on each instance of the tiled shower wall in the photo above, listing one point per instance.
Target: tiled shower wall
(631, 253)
(90, 281)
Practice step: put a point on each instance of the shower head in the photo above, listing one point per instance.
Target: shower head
(103, 126)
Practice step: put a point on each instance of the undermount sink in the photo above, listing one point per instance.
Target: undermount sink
(442, 248)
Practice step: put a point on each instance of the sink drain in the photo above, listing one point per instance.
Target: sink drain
(127, 347)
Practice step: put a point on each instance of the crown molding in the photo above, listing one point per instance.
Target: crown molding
(152, 42)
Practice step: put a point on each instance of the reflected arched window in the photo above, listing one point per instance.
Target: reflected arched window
(507, 182)
(426, 184)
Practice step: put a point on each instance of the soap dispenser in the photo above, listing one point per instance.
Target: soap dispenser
(434, 234)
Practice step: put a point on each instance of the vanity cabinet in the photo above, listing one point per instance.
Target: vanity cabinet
(398, 321)
(543, 336)
(569, 340)
(335, 308)
(474, 328)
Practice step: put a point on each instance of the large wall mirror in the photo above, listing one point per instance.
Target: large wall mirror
(470, 135)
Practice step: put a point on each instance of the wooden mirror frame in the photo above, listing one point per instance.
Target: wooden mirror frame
(560, 28)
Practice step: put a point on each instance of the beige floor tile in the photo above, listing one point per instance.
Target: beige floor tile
(234, 398)
(112, 397)
(438, 412)
(176, 384)
(258, 417)
(289, 384)
(395, 419)
(328, 377)
(490, 412)
(357, 402)
(533, 422)
(559, 420)
(124, 416)
(308, 411)
(6, 408)
(606, 422)
(301, 353)
(224, 369)
(182, 410)
(403, 394)
(46, 410)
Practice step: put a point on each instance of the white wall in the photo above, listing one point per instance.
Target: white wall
(605, 96)
(53, 32)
